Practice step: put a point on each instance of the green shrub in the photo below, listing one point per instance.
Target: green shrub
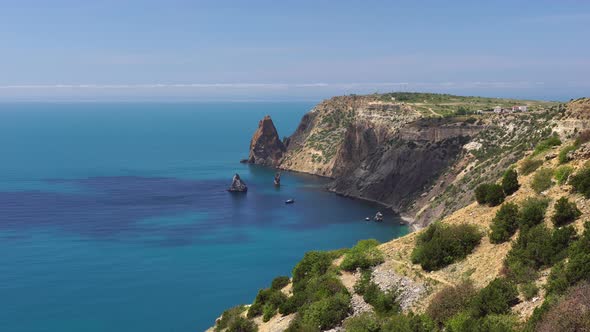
(489, 193)
(267, 301)
(408, 323)
(547, 144)
(228, 317)
(242, 324)
(532, 212)
(450, 301)
(562, 173)
(581, 181)
(440, 245)
(535, 248)
(364, 255)
(365, 322)
(562, 157)
(530, 165)
(510, 182)
(565, 212)
(461, 322)
(529, 290)
(384, 303)
(326, 313)
(496, 298)
(279, 283)
(542, 180)
(505, 223)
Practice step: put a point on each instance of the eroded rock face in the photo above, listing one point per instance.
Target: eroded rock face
(237, 185)
(266, 147)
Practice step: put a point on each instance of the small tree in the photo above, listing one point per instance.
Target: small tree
(565, 212)
(496, 298)
(581, 182)
(510, 182)
(489, 193)
(505, 223)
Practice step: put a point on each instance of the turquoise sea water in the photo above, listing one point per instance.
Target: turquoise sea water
(114, 216)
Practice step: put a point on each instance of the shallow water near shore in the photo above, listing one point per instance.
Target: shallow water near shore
(114, 216)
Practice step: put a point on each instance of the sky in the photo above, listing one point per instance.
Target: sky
(291, 50)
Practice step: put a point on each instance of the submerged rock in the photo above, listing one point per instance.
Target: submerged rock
(266, 148)
(237, 185)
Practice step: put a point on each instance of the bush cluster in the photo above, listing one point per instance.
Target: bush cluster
(450, 301)
(368, 322)
(547, 144)
(496, 298)
(565, 212)
(542, 180)
(529, 290)
(532, 212)
(576, 269)
(319, 297)
(535, 248)
(489, 193)
(581, 181)
(510, 182)
(530, 165)
(363, 255)
(563, 153)
(505, 223)
(279, 283)
(562, 173)
(440, 245)
(267, 302)
(232, 321)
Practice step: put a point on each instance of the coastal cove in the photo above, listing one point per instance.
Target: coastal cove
(115, 216)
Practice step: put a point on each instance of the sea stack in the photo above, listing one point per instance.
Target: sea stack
(266, 147)
(237, 185)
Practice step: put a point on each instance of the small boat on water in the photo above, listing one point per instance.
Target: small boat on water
(378, 216)
(290, 201)
(367, 219)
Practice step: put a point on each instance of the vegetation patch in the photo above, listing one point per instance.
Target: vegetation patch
(510, 182)
(547, 144)
(530, 165)
(581, 181)
(440, 245)
(565, 212)
(232, 321)
(450, 301)
(562, 174)
(489, 193)
(542, 180)
(363, 255)
(505, 223)
(496, 298)
(532, 212)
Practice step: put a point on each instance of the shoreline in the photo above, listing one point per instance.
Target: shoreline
(407, 220)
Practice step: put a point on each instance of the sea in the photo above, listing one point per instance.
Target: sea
(115, 216)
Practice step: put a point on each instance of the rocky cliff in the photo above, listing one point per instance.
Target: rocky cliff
(420, 154)
(266, 147)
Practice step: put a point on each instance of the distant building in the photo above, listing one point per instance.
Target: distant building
(497, 109)
(521, 108)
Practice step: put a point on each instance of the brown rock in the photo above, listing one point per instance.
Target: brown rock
(266, 148)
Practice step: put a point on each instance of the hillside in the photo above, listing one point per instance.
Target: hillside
(531, 280)
(421, 154)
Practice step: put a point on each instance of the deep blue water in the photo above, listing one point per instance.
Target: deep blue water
(114, 217)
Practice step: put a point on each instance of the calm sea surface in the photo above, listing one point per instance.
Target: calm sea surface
(114, 216)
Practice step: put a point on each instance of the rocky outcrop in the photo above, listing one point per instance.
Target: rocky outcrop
(266, 147)
(237, 185)
(404, 154)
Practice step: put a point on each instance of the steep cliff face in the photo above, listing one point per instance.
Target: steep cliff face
(406, 154)
(266, 148)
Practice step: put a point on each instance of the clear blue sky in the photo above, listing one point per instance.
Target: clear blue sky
(217, 50)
